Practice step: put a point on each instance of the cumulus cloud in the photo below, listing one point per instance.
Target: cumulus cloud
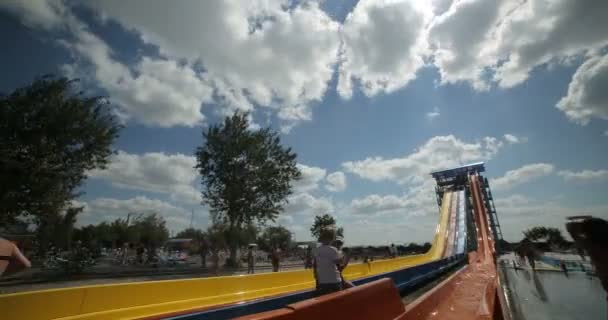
(157, 92)
(374, 203)
(260, 52)
(437, 153)
(513, 139)
(366, 231)
(46, 14)
(418, 200)
(310, 179)
(307, 205)
(336, 181)
(171, 174)
(525, 174)
(484, 42)
(584, 176)
(108, 209)
(519, 212)
(433, 114)
(383, 45)
(587, 97)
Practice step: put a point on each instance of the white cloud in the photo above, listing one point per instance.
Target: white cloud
(372, 232)
(108, 209)
(307, 205)
(513, 139)
(525, 174)
(418, 200)
(433, 114)
(585, 175)
(374, 204)
(46, 14)
(336, 181)
(484, 41)
(587, 97)
(439, 152)
(171, 174)
(310, 179)
(606, 133)
(517, 213)
(256, 52)
(154, 92)
(383, 45)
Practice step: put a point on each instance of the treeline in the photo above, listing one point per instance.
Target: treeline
(51, 134)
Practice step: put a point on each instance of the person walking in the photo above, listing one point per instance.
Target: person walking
(11, 258)
(250, 260)
(325, 264)
(275, 259)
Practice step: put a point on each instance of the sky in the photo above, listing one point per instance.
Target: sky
(372, 95)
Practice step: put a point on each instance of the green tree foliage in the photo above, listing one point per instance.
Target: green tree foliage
(275, 237)
(216, 237)
(323, 222)
(50, 136)
(552, 236)
(148, 230)
(246, 175)
(198, 239)
(190, 233)
(152, 231)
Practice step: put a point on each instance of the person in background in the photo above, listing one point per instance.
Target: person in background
(308, 258)
(393, 250)
(325, 264)
(11, 258)
(591, 234)
(275, 259)
(562, 265)
(250, 260)
(345, 254)
(204, 249)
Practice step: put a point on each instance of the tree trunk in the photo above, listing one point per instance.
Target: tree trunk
(233, 261)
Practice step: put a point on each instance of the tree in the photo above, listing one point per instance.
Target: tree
(552, 236)
(323, 222)
(426, 247)
(190, 233)
(275, 237)
(153, 232)
(246, 175)
(50, 136)
(57, 229)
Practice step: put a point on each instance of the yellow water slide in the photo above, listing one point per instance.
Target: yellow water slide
(143, 299)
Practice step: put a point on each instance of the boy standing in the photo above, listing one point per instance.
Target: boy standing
(325, 264)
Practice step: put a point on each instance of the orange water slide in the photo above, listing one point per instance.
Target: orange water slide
(471, 292)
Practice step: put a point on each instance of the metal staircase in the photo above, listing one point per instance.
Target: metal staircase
(491, 209)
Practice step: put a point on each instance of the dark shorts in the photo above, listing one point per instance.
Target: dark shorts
(325, 288)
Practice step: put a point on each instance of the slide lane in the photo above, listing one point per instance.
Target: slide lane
(138, 300)
(470, 293)
(462, 230)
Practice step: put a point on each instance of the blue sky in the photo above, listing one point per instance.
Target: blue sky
(373, 96)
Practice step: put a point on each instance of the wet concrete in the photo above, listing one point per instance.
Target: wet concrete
(553, 296)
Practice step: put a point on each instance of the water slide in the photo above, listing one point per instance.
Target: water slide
(145, 299)
(470, 293)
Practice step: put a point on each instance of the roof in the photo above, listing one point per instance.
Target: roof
(450, 174)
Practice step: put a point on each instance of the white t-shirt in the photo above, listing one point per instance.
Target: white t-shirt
(326, 258)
